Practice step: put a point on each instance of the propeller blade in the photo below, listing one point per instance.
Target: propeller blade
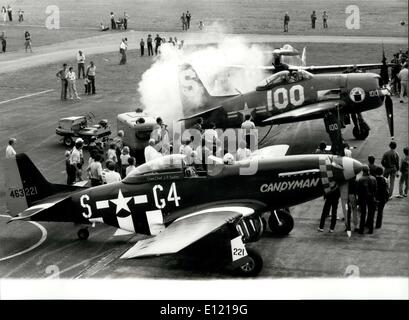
(389, 114)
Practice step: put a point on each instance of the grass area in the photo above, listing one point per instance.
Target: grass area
(79, 19)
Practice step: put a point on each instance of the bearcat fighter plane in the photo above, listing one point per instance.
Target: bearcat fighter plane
(288, 96)
(163, 199)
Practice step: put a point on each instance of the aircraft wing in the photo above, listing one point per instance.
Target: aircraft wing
(202, 113)
(339, 68)
(185, 231)
(307, 111)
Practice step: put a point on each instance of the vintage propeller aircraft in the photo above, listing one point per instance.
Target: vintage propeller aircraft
(177, 205)
(288, 96)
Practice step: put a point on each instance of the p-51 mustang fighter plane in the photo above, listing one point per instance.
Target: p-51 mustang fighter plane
(163, 199)
(286, 97)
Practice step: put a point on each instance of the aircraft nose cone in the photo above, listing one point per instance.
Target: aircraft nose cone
(351, 167)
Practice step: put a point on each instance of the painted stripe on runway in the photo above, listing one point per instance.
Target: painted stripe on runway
(43, 238)
(26, 96)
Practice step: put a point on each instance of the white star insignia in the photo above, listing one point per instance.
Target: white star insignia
(121, 202)
(246, 110)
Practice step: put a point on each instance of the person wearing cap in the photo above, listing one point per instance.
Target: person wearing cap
(150, 152)
(10, 152)
(366, 190)
(390, 161)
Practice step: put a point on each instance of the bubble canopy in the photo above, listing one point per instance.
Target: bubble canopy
(168, 163)
(283, 77)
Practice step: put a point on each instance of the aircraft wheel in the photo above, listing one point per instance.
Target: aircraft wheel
(253, 266)
(68, 141)
(360, 134)
(83, 234)
(282, 227)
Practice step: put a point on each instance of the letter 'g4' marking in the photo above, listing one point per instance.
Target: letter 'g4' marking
(88, 212)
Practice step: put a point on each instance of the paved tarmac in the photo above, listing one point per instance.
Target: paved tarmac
(109, 42)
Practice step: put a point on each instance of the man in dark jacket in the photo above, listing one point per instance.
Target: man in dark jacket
(331, 202)
(390, 161)
(382, 195)
(313, 19)
(366, 190)
(372, 166)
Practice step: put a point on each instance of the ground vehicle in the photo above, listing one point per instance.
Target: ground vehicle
(75, 127)
(137, 127)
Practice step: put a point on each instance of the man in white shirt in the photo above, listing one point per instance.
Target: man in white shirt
(242, 152)
(10, 152)
(81, 64)
(110, 176)
(150, 151)
(403, 76)
(211, 136)
(122, 49)
(248, 125)
(72, 87)
(76, 159)
(95, 170)
(187, 150)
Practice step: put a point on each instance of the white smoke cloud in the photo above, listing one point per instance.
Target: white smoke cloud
(159, 87)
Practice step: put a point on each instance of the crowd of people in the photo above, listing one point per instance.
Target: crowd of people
(399, 74)
(314, 19)
(69, 78)
(7, 14)
(367, 194)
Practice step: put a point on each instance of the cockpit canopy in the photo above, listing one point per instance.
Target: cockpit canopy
(282, 78)
(166, 164)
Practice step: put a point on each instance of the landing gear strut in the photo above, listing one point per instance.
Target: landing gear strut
(281, 222)
(361, 128)
(83, 234)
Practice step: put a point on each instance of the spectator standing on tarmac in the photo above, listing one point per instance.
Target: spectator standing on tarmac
(313, 19)
(352, 204)
(95, 170)
(331, 202)
(390, 161)
(126, 17)
(247, 126)
(188, 17)
(142, 46)
(10, 152)
(150, 152)
(286, 21)
(131, 165)
(150, 47)
(184, 21)
(4, 13)
(124, 160)
(62, 75)
(81, 63)
(91, 72)
(325, 20)
(20, 15)
(366, 190)
(404, 171)
(372, 166)
(77, 159)
(111, 153)
(69, 169)
(403, 77)
(10, 12)
(3, 42)
(110, 175)
(158, 41)
(27, 43)
(381, 196)
(72, 87)
(113, 24)
(123, 47)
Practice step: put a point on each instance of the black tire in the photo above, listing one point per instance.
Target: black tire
(252, 267)
(360, 134)
(83, 234)
(68, 141)
(284, 227)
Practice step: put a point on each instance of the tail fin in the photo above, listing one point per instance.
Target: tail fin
(25, 184)
(193, 94)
